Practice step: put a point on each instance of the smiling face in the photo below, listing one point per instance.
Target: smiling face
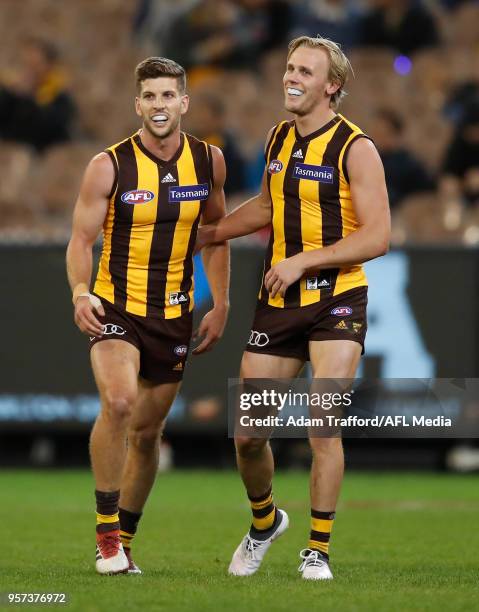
(160, 104)
(306, 81)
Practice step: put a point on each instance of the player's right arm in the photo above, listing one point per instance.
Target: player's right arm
(249, 217)
(88, 217)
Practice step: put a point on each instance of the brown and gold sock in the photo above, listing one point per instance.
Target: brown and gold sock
(128, 526)
(321, 526)
(107, 518)
(264, 513)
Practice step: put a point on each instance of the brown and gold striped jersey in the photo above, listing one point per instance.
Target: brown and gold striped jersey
(146, 266)
(309, 187)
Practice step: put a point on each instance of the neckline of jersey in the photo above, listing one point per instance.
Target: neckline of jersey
(153, 157)
(326, 127)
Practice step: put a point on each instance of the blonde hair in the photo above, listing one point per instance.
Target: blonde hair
(339, 65)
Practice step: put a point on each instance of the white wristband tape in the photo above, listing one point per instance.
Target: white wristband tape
(94, 301)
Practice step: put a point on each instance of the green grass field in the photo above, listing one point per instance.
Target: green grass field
(401, 542)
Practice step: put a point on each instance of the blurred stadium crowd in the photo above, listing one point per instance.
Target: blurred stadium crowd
(67, 92)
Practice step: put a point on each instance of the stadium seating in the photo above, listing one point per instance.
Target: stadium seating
(100, 52)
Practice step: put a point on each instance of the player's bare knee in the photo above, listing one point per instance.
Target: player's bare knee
(117, 405)
(249, 447)
(144, 439)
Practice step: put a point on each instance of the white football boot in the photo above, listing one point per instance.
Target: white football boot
(110, 556)
(132, 566)
(249, 554)
(314, 566)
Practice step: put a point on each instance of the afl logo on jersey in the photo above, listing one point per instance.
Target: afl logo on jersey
(137, 196)
(275, 166)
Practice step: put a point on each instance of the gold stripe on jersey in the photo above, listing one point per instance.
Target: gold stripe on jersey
(277, 186)
(142, 236)
(272, 138)
(103, 283)
(354, 276)
(267, 155)
(184, 225)
(311, 222)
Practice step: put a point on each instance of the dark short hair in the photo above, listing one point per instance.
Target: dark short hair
(155, 67)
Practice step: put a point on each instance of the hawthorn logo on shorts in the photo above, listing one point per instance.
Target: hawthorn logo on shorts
(258, 338)
(275, 166)
(137, 196)
(357, 327)
(342, 311)
(179, 297)
(180, 350)
(110, 329)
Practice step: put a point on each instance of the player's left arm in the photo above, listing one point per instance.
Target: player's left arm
(216, 260)
(370, 240)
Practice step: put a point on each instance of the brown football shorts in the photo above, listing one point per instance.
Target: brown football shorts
(163, 343)
(287, 331)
